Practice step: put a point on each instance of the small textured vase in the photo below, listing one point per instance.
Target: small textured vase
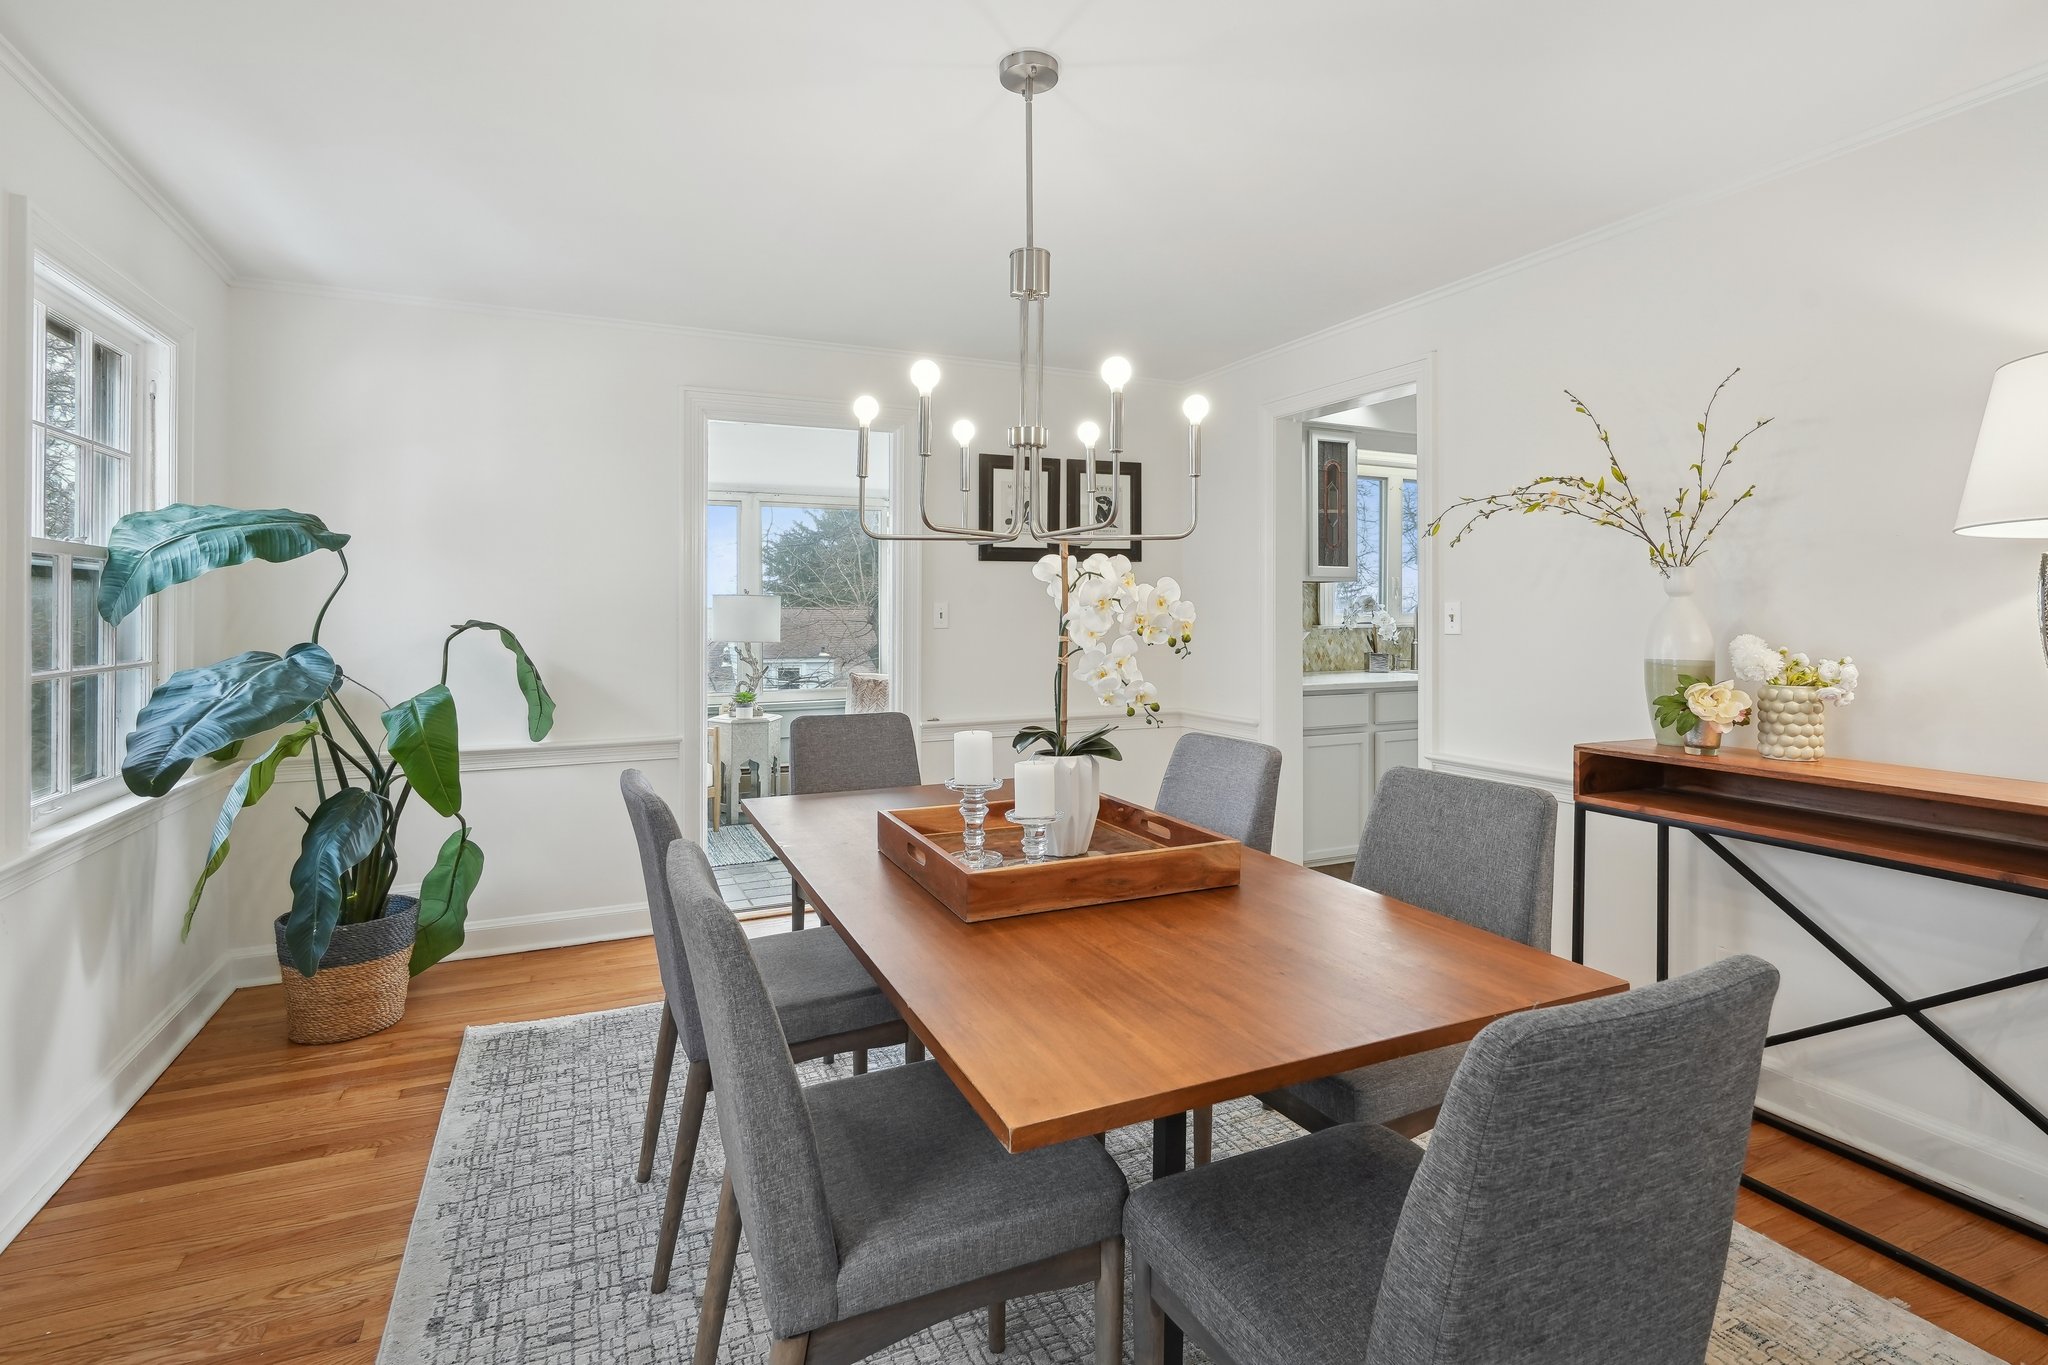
(1791, 723)
(1680, 642)
(1077, 796)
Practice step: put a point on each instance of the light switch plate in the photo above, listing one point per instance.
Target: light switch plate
(1454, 619)
(942, 616)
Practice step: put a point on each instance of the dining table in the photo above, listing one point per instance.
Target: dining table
(1073, 1022)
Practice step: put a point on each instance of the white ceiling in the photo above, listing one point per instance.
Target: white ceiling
(1215, 177)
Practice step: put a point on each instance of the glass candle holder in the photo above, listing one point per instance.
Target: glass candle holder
(974, 849)
(1036, 830)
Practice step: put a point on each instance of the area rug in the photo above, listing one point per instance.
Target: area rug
(731, 845)
(532, 1242)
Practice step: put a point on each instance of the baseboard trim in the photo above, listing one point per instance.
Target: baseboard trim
(43, 1172)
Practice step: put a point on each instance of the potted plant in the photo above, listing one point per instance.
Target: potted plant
(1674, 534)
(1106, 616)
(743, 699)
(1703, 711)
(1791, 703)
(348, 946)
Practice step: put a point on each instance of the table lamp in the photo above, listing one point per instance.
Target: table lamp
(747, 619)
(2006, 493)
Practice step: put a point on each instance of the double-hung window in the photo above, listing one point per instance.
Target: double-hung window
(808, 551)
(92, 458)
(1389, 543)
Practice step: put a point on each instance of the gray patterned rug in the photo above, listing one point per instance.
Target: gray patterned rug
(731, 845)
(532, 1242)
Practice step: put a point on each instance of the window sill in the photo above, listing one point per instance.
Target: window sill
(61, 843)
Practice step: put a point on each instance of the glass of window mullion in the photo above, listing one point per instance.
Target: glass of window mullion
(109, 375)
(43, 614)
(43, 740)
(59, 488)
(91, 638)
(61, 365)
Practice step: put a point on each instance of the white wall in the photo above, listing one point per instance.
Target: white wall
(96, 992)
(530, 470)
(1868, 300)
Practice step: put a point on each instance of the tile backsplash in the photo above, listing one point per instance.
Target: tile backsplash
(1341, 649)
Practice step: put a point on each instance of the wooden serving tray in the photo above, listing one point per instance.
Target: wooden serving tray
(1135, 853)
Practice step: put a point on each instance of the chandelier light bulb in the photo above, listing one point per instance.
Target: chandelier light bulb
(1089, 434)
(1116, 372)
(963, 432)
(925, 375)
(1195, 409)
(865, 409)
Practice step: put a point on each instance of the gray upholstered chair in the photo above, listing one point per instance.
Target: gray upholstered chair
(1477, 851)
(875, 1205)
(853, 752)
(826, 1000)
(1575, 1202)
(1232, 787)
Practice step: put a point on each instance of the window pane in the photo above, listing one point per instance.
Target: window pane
(1361, 598)
(131, 689)
(109, 396)
(131, 637)
(85, 616)
(827, 573)
(60, 373)
(42, 613)
(110, 495)
(42, 740)
(60, 488)
(87, 765)
(721, 575)
(1411, 541)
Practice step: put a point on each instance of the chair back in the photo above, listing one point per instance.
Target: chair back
(852, 752)
(1478, 851)
(1579, 1189)
(771, 1151)
(654, 828)
(1228, 785)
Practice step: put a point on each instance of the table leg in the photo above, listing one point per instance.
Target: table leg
(1578, 883)
(1170, 1157)
(1663, 902)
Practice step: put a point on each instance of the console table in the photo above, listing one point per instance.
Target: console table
(1983, 831)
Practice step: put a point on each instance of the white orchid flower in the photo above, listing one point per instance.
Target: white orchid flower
(1164, 594)
(1184, 612)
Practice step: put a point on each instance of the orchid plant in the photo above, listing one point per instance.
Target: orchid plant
(1834, 680)
(1106, 617)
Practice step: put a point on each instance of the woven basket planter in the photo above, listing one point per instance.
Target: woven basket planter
(360, 987)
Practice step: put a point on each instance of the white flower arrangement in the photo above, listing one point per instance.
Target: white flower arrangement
(1110, 616)
(1834, 680)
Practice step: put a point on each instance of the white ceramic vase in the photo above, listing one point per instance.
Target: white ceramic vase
(1680, 642)
(1791, 723)
(1077, 796)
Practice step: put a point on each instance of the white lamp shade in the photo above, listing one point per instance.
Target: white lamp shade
(2006, 493)
(746, 618)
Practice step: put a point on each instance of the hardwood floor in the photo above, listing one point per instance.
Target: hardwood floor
(254, 1206)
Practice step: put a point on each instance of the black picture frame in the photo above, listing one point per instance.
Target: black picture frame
(993, 467)
(1131, 518)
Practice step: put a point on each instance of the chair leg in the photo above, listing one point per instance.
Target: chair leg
(725, 1250)
(1205, 1133)
(1150, 1320)
(1109, 1304)
(657, 1093)
(913, 1049)
(998, 1326)
(696, 1084)
(860, 1061)
(790, 1351)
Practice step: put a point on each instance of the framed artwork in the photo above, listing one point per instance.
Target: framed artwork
(1130, 513)
(996, 506)
(1332, 508)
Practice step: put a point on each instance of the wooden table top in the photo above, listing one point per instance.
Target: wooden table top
(1072, 1022)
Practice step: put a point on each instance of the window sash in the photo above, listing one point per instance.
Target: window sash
(750, 503)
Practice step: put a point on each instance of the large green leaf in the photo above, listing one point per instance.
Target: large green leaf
(248, 789)
(540, 707)
(420, 732)
(444, 900)
(200, 710)
(344, 830)
(151, 551)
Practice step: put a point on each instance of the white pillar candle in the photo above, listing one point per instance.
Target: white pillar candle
(1034, 788)
(974, 758)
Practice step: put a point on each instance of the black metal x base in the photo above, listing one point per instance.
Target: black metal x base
(1896, 1006)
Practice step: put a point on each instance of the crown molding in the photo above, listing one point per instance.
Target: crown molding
(2022, 80)
(16, 64)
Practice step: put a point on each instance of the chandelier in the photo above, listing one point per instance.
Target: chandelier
(1031, 73)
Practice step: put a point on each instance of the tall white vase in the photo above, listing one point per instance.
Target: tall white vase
(1680, 642)
(1077, 796)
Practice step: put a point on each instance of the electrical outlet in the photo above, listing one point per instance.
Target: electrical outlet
(942, 616)
(1454, 619)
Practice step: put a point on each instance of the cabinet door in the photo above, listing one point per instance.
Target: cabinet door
(1393, 749)
(1334, 794)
